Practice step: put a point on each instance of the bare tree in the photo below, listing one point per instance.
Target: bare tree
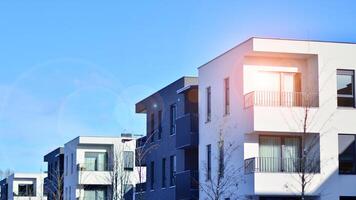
(224, 183)
(120, 173)
(142, 151)
(5, 173)
(54, 183)
(308, 164)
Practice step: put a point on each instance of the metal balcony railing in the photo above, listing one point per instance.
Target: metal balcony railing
(187, 184)
(283, 165)
(281, 99)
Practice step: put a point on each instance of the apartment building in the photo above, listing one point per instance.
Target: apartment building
(258, 96)
(55, 168)
(170, 147)
(100, 168)
(23, 186)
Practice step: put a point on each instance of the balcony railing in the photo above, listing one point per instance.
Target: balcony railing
(92, 167)
(283, 165)
(187, 184)
(281, 99)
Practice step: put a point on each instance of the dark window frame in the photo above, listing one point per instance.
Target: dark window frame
(227, 96)
(208, 104)
(208, 162)
(221, 148)
(164, 177)
(29, 190)
(348, 72)
(173, 117)
(152, 175)
(354, 156)
(172, 170)
(159, 115)
(347, 197)
(152, 126)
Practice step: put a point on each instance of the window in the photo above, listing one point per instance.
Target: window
(164, 173)
(67, 165)
(70, 192)
(281, 198)
(95, 192)
(173, 170)
(221, 158)
(345, 88)
(128, 160)
(159, 124)
(348, 198)
(208, 161)
(152, 174)
(173, 113)
(208, 104)
(152, 126)
(227, 96)
(66, 195)
(279, 153)
(26, 190)
(347, 154)
(71, 163)
(95, 161)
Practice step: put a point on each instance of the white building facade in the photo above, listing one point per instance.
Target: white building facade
(92, 163)
(257, 95)
(23, 186)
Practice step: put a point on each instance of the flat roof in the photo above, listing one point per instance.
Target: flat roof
(276, 38)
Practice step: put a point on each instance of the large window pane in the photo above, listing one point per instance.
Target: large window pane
(128, 160)
(95, 161)
(95, 193)
(279, 154)
(345, 88)
(26, 190)
(270, 153)
(173, 170)
(291, 154)
(347, 154)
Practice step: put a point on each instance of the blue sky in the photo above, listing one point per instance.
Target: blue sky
(70, 68)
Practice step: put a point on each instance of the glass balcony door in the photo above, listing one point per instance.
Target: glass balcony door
(96, 161)
(270, 154)
(281, 88)
(279, 154)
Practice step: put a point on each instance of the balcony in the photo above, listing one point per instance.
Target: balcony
(273, 111)
(187, 131)
(281, 165)
(88, 176)
(187, 186)
(281, 99)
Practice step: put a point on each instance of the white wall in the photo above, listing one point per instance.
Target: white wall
(78, 147)
(26, 178)
(318, 61)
